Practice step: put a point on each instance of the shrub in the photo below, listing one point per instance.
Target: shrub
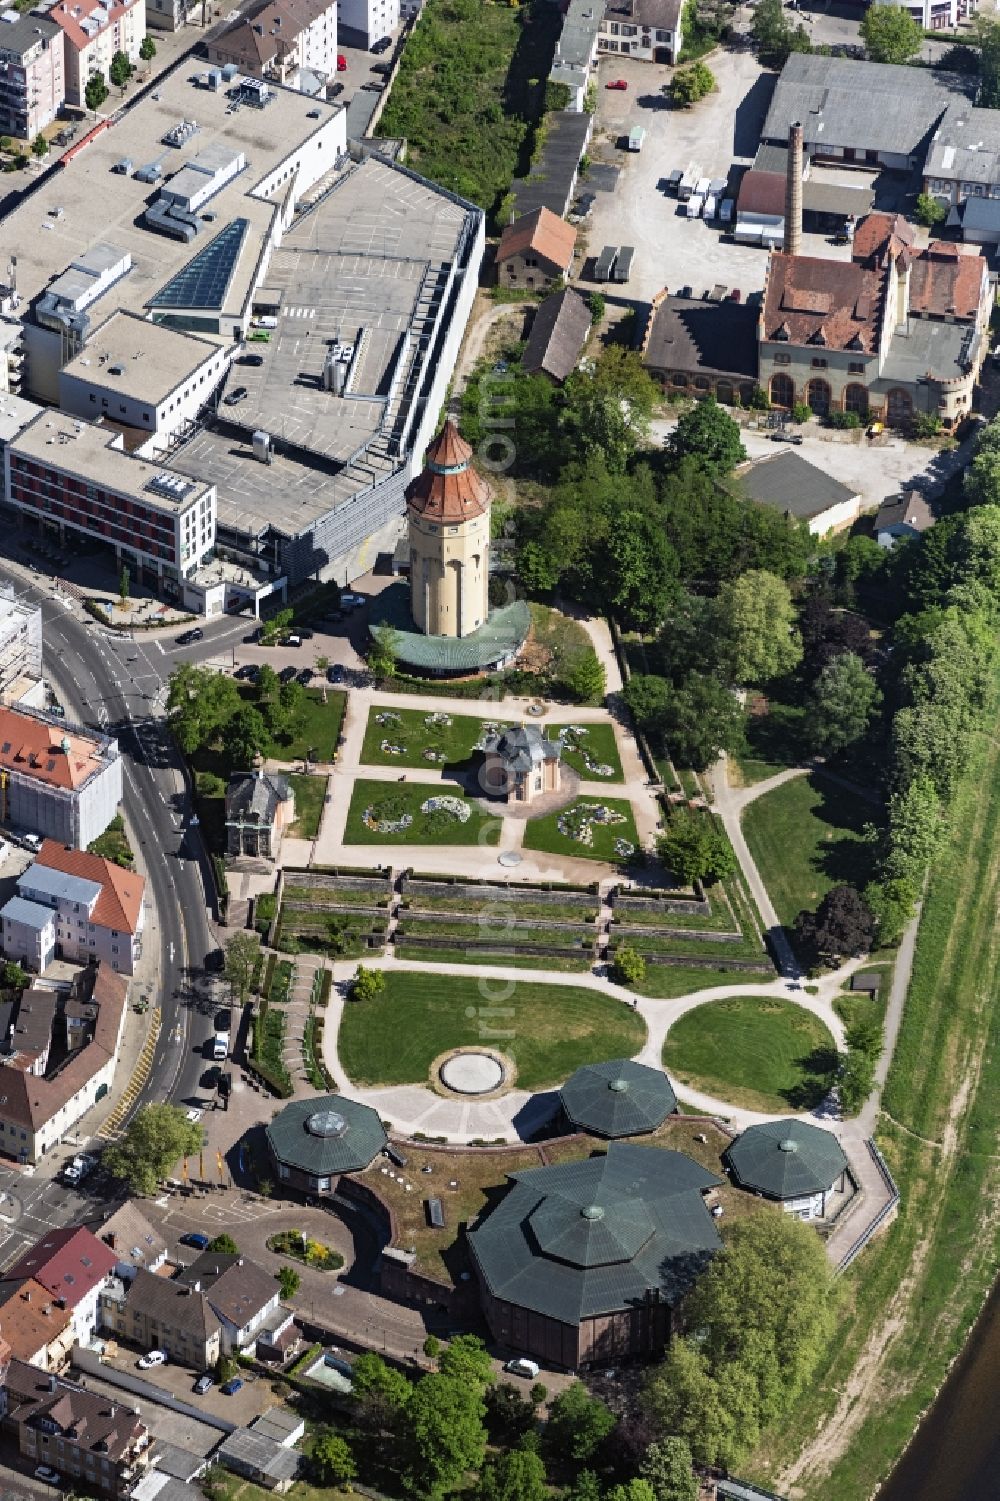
(929, 210)
(843, 419)
(628, 966)
(925, 425)
(801, 411)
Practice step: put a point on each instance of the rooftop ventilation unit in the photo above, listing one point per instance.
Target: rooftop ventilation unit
(172, 486)
(151, 172)
(124, 167)
(180, 133)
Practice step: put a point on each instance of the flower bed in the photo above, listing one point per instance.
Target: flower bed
(310, 1252)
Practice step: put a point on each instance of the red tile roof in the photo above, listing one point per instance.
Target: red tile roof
(29, 1317)
(448, 488)
(946, 281)
(69, 1263)
(68, 14)
(34, 747)
(120, 902)
(878, 232)
(544, 234)
(826, 303)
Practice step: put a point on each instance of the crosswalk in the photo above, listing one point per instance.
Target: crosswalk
(299, 312)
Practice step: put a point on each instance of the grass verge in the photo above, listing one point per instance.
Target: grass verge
(758, 1052)
(309, 794)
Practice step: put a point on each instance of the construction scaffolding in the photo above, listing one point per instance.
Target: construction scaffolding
(20, 644)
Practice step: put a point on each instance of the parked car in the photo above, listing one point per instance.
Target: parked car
(232, 1387)
(335, 674)
(382, 45)
(382, 69)
(186, 638)
(235, 396)
(334, 90)
(202, 1385)
(305, 633)
(286, 674)
(154, 1358)
(79, 1168)
(196, 1240)
(521, 1367)
(616, 83)
(292, 640)
(251, 359)
(351, 601)
(341, 63)
(51, 1477)
(57, 710)
(781, 436)
(304, 676)
(246, 673)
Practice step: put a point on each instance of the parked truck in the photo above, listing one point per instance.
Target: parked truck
(636, 136)
(687, 183)
(623, 265)
(605, 263)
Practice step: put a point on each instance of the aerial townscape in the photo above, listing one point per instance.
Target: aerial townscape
(499, 686)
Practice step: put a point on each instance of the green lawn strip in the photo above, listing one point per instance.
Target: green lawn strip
(408, 729)
(758, 1052)
(690, 948)
(551, 911)
(559, 962)
(393, 799)
(340, 896)
(543, 833)
(931, 1272)
(598, 740)
(658, 915)
(113, 844)
(548, 1029)
(561, 936)
(664, 981)
(806, 837)
(856, 1007)
(309, 792)
(753, 770)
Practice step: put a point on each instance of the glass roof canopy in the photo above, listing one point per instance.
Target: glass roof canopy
(205, 279)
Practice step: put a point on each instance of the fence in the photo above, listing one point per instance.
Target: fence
(885, 1213)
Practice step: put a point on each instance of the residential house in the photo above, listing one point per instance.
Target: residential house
(32, 72)
(559, 332)
(240, 1293)
(83, 908)
(575, 56)
(788, 483)
(95, 30)
(72, 1265)
(963, 159)
(535, 250)
(61, 781)
(95, 1443)
(286, 41)
(36, 1329)
(36, 1110)
(157, 1313)
(362, 22)
(893, 332)
(133, 1240)
(647, 29)
(901, 517)
(259, 807)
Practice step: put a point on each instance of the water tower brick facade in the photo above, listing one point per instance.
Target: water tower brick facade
(448, 506)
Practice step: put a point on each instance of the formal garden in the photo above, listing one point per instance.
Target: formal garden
(587, 829)
(428, 740)
(409, 813)
(549, 1030)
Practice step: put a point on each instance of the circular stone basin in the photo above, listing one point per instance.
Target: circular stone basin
(509, 857)
(472, 1073)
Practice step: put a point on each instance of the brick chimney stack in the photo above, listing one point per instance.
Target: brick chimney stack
(793, 192)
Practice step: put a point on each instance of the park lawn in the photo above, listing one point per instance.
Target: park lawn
(404, 950)
(667, 981)
(757, 1052)
(318, 731)
(544, 833)
(599, 741)
(548, 1029)
(396, 799)
(309, 794)
(806, 837)
(413, 735)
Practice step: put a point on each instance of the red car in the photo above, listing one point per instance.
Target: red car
(341, 63)
(616, 83)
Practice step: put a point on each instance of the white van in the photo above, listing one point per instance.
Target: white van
(695, 205)
(711, 205)
(265, 323)
(220, 1048)
(529, 1369)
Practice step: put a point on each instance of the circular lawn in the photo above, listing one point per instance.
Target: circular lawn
(549, 1030)
(759, 1052)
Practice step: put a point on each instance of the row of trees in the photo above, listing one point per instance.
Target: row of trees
(206, 708)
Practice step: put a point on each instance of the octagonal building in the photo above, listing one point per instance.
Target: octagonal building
(618, 1098)
(792, 1161)
(314, 1142)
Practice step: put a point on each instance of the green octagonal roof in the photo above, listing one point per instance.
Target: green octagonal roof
(326, 1135)
(786, 1159)
(618, 1098)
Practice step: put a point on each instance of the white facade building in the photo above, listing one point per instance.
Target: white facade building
(76, 906)
(367, 21)
(95, 30)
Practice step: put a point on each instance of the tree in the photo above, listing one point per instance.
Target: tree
(578, 1424)
(383, 653)
(245, 736)
(39, 146)
(268, 684)
(891, 904)
(702, 717)
(586, 1487)
(683, 1400)
(628, 966)
(890, 34)
(367, 984)
(147, 49)
(381, 1392)
(585, 677)
(597, 304)
(667, 1466)
(155, 1140)
(12, 976)
(757, 627)
(96, 91)
(632, 1490)
(275, 627)
(517, 1475)
(695, 848)
(842, 925)
(509, 1416)
(914, 828)
(844, 699)
(708, 434)
(224, 1245)
(929, 210)
(467, 1359)
(120, 70)
(987, 32)
(123, 583)
(242, 954)
(641, 570)
(690, 84)
(200, 704)
(774, 37)
(648, 701)
(332, 1459)
(289, 1281)
(443, 1434)
(607, 406)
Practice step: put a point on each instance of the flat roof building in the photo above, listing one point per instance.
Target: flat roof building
(788, 483)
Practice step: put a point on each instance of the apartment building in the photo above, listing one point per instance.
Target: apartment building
(95, 30)
(72, 1265)
(78, 475)
(293, 42)
(135, 1243)
(20, 650)
(647, 29)
(32, 73)
(214, 1307)
(362, 22)
(102, 1444)
(36, 1329)
(59, 780)
(82, 907)
(38, 1108)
